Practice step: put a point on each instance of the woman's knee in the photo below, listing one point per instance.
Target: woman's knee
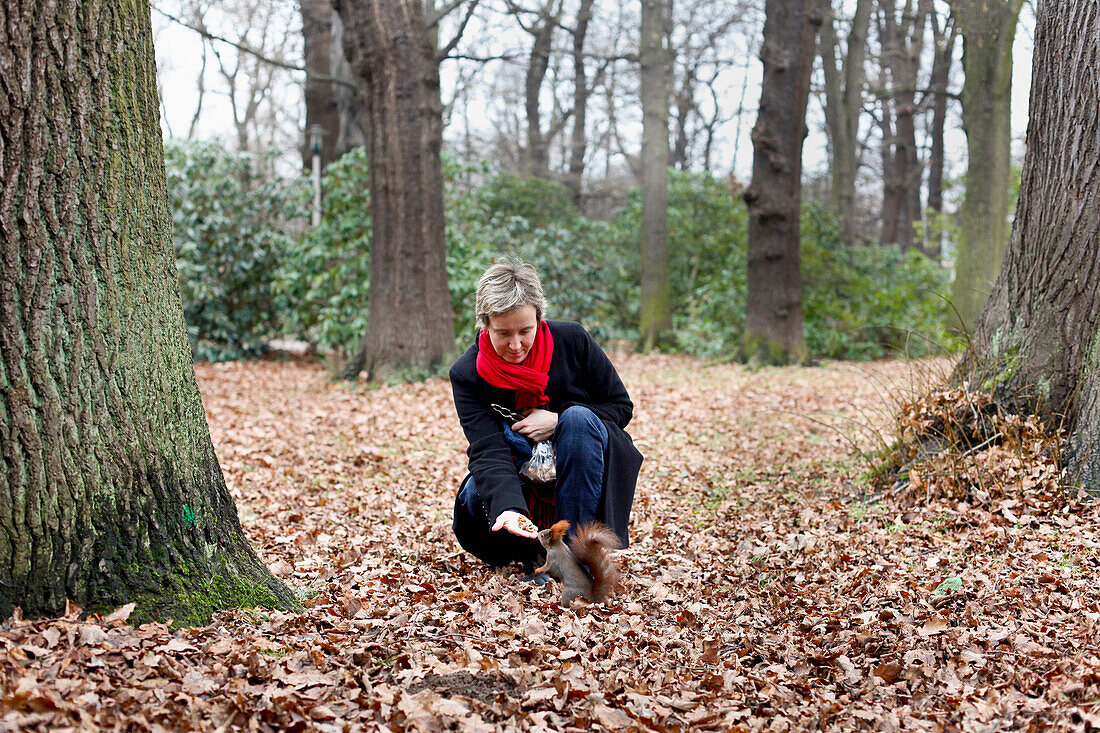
(579, 418)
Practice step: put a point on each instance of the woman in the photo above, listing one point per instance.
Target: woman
(554, 375)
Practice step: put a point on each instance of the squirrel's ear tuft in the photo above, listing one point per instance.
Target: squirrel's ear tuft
(558, 530)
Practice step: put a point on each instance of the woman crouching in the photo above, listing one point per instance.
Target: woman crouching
(527, 380)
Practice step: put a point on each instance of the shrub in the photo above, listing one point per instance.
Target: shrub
(708, 246)
(231, 230)
(858, 302)
(323, 283)
(865, 302)
(584, 270)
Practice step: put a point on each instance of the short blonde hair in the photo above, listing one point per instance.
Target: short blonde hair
(508, 284)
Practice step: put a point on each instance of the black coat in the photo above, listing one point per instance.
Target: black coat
(580, 374)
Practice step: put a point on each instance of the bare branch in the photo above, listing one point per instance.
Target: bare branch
(245, 48)
(445, 11)
(446, 50)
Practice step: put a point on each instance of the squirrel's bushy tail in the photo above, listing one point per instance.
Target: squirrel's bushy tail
(592, 545)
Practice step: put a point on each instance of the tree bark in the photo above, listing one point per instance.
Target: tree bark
(581, 92)
(988, 28)
(1037, 342)
(336, 108)
(410, 322)
(773, 319)
(109, 488)
(655, 321)
(843, 107)
(902, 45)
(944, 39)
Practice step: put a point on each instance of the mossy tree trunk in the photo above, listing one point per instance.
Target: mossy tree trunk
(109, 488)
(1037, 343)
(410, 326)
(655, 57)
(988, 28)
(773, 318)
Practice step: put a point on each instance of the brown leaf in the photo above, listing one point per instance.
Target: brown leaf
(611, 718)
(121, 613)
(888, 671)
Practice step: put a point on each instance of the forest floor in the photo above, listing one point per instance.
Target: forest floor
(769, 586)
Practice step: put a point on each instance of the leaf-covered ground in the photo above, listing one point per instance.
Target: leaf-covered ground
(769, 586)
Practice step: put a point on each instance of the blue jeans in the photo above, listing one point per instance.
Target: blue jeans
(580, 444)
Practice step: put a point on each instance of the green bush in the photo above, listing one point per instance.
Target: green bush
(323, 283)
(231, 230)
(586, 273)
(707, 245)
(867, 302)
(858, 302)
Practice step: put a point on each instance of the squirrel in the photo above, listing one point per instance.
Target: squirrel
(586, 570)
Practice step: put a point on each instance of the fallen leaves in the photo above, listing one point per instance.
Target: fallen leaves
(767, 587)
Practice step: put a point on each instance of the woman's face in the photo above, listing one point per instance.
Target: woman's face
(513, 333)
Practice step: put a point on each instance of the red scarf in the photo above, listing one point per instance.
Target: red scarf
(528, 378)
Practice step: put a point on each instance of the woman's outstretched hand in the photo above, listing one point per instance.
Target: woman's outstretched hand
(517, 524)
(538, 425)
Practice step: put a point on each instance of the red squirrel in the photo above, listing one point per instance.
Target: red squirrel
(585, 567)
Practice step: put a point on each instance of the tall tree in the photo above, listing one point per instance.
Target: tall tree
(902, 45)
(944, 35)
(656, 64)
(109, 488)
(545, 19)
(581, 92)
(843, 107)
(988, 28)
(1039, 335)
(773, 318)
(410, 322)
(335, 106)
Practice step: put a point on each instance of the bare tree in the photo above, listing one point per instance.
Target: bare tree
(988, 28)
(902, 41)
(844, 84)
(944, 34)
(539, 22)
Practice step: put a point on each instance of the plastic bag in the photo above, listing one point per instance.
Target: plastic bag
(542, 466)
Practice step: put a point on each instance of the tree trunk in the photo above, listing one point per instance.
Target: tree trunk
(773, 319)
(944, 39)
(542, 33)
(685, 102)
(655, 321)
(906, 72)
(109, 488)
(1038, 339)
(843, 107)
(352, 102)
(581, 92)
(902, 44)
(988, 29)
(337, 108)
(322, 107)
(410, 322)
